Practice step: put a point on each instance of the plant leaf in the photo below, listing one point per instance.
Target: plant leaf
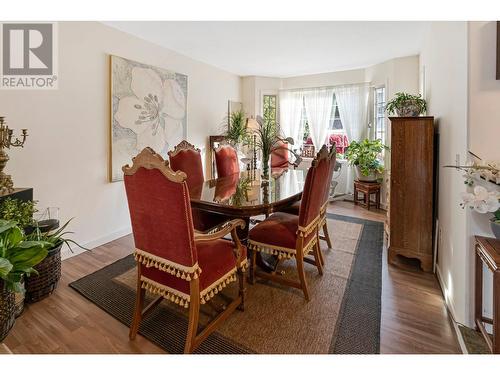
(5, 267)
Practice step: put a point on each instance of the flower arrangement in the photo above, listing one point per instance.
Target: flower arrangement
(481, 199)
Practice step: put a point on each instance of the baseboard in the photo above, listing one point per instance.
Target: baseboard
(66, 253)
(451, 311)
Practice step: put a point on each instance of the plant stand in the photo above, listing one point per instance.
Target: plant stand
(367, 188)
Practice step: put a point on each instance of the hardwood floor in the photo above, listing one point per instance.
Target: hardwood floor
(414, 316)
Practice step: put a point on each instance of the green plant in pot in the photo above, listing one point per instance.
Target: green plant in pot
(269, 139)
(20, 211)
(49, 271)
(365, 157)
(406, 105)
(18, 259)
(237, 132)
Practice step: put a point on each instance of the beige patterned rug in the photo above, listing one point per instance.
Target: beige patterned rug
(277, 319)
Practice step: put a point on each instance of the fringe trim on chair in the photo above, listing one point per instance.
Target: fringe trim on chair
(175, 269)
(207, 293)
(280, 252)
(305, 231)
(169, 294)
(243, 265)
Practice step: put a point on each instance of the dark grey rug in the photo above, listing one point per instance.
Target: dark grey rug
(357, 329)
(358, 326)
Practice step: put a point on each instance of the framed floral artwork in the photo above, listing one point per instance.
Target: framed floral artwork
(148, 109)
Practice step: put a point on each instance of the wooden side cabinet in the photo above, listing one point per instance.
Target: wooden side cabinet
(488, 252)
(411, 189)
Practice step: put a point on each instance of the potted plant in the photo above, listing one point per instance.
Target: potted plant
(365, 156)
(19, 211)
(18, 257)
(406, 105)
(268, 139)
(237, 132)
(44, 283)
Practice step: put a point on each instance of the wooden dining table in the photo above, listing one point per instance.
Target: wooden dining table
(248, 194)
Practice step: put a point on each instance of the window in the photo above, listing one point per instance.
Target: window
(269, 108)
(379, 114)
(336, 132)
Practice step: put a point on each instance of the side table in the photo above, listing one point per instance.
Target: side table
(367, 188)
(488, 252)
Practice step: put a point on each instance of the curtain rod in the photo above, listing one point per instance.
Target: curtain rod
(329, 87)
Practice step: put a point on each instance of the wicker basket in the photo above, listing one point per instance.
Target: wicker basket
(49, 273)
(7, 311)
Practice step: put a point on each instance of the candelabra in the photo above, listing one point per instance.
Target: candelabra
(6, 185)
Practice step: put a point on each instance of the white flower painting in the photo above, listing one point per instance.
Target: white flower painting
(148, 110)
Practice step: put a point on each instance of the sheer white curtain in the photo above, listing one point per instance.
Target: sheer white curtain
(291, 114)
(353, 109)
(318, 110)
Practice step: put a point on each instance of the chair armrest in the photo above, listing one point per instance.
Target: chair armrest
(223, 230)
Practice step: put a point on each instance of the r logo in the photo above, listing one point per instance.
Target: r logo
(27, 49)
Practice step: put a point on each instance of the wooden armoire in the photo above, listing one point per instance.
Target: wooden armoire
(412, 189)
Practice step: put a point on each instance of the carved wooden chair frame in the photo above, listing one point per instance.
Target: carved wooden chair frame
(183, 146)
(299, 253)
(150, 160)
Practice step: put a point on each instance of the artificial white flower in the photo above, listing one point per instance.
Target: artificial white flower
(482, 200)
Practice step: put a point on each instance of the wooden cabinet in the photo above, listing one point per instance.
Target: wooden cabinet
(411, 189)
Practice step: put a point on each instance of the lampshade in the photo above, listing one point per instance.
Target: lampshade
(252, 124)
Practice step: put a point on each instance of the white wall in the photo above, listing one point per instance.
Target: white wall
(484, 128)
(325, 79)
(444, 57)
(65, 158)
(484, 91)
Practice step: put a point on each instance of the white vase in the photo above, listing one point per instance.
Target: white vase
(372, 177)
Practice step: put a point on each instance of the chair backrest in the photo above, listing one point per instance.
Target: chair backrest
(313, 194)
(332, 158)
(187, 158)
(226, 160)
(160, 210)
(279, 156)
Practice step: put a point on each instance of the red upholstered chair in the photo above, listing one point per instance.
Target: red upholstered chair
(295, 207)
(226, 160)
(279, 156)
(186, 157)
(290, 236)
(173, 261)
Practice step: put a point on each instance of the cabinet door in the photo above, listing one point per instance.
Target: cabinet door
(411, 171)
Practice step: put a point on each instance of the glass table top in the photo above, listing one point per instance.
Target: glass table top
(248, 190)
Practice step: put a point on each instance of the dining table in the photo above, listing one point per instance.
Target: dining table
(250, 194)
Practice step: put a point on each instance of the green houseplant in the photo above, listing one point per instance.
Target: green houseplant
(237, 132)
(19, 211)
(406, 105)
(365, 156)
(48, 274)
(18, 257)
(268, 139)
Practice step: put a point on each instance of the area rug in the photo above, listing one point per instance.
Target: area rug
(343, 315)
(474, 341)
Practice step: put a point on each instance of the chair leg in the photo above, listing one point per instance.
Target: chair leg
(302, 275)
(139, 302)
(327, 235)
(242, 288)
(194, 314)
(317, 258)
(253, 264)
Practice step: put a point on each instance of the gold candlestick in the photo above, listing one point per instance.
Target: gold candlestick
(6, 184)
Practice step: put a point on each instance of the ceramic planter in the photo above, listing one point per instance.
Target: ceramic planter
(372, 177)
(495, 227)
(410, 108)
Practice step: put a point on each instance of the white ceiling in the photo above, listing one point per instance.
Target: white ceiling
(283, 49)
